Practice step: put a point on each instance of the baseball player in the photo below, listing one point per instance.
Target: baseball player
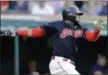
(66, 31)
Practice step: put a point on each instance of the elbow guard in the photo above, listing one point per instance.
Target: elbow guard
(37, 32)
(92, 35)
(22, 33)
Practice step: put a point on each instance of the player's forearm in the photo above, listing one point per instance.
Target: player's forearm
(92, 35)
(34, 32)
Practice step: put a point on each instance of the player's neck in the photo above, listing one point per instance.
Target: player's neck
(68, 22)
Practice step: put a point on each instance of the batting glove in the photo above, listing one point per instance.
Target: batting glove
(99, 24)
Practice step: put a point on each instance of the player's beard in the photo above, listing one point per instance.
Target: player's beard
(76, 22)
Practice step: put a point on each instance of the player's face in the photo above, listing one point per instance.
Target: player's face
(78, 18)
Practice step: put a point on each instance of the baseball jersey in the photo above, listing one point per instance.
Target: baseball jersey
(64, 40)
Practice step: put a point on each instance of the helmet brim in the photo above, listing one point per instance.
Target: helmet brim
(79, 14)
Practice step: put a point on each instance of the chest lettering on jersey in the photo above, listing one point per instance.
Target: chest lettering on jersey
(66, 32)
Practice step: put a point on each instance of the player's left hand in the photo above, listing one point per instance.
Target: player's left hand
(99, 24)
(9, 32)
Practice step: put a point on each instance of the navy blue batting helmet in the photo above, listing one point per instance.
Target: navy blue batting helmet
(70, 13)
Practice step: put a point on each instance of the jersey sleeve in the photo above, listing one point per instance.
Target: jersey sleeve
(91, 35)
(49, 29)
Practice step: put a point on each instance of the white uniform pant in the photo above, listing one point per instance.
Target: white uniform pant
(59, 65)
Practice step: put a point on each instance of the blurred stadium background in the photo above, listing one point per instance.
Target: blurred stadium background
(16, 52)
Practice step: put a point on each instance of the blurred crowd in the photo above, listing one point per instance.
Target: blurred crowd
(100, 67)
(32, 65)
(53, 7)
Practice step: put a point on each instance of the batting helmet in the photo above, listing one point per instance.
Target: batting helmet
(70, 13)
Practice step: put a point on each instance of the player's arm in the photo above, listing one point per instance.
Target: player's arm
(33, 32)
(37, 32)
(93, 35)
(41, 31)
